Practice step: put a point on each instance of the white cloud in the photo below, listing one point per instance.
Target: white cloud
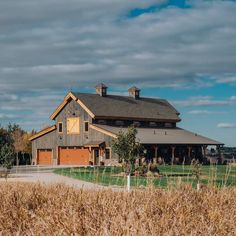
(62, 44)
(233, 98)
(205, 112)
(227, 80)
(8, 117)
(226, 125)
(57, 43)
(204, 101)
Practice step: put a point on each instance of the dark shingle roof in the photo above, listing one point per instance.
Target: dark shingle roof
(164, 136)
(128, 107)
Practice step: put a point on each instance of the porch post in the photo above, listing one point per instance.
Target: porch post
(220, 158)
(204, 150)
(156, 149)
(173, 154)
(189, 151)
(189, 154)
(90, 154)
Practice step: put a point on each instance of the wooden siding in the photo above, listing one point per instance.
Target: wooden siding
(54, 139)
(47, 141)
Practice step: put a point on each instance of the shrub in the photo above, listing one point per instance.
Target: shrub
(154, 168)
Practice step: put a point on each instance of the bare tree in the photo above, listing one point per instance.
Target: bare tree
(18, 143)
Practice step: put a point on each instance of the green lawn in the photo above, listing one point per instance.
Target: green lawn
(219, 176)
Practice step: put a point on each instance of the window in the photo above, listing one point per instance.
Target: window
(168, 125)
(60, 127)
(86, 126)
(152, 124)
(102, 122)
(119, 122)
(108, 153)
(136, 123)
(73, 125)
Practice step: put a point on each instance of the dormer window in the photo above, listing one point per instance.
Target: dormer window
(136, 123)
(102, 122)
(152, 124)
(119, 123)
(168, 125)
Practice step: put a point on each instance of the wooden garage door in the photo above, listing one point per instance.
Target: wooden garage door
(44, 156)
(73, 156)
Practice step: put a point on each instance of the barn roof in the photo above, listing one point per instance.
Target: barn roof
(43, 132)
(127, 107)
(160, 135)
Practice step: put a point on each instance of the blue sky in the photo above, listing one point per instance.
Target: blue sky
(184, 51)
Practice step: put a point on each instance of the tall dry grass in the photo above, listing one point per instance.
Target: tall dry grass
(33, 209)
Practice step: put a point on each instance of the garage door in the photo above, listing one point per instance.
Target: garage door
(73, 156)
(44, 156)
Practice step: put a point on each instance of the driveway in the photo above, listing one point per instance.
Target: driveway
(48, 177)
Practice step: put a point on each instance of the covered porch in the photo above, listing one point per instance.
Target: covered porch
(176, 153)
(168, 145)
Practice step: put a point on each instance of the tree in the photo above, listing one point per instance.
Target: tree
(18, 142)
(5, 137)
(27, 147)
(7, 156)
(127, 149)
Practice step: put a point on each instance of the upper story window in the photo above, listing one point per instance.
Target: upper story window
(159, 124)
(60, 127)
(73, 125)
(102, 122)
(119, 122)
(136, 123)
(152, 124)
(86, 126)
(168, 125)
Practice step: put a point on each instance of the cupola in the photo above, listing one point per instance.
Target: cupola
(134, 92)
(101, 89)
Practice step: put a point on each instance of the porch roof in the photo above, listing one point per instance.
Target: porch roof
(94, 144)
(162, 135)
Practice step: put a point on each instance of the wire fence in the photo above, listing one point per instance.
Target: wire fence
(164, 177)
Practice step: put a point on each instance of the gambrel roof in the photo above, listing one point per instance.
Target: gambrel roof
(123, 107)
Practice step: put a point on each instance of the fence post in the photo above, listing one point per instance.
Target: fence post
(128, 182)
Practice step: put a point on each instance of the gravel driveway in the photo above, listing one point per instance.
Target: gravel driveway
(51, 178)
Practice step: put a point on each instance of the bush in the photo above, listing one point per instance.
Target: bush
(154, 168)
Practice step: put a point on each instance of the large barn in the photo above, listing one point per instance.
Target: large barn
(85, 125)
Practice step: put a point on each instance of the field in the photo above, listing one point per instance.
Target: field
(33, 209)
(220, 176)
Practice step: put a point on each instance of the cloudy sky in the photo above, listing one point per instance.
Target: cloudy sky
(184, 51)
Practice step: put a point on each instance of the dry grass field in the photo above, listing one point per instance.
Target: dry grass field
(34, 209)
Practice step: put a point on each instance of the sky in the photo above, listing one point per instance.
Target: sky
(183, 51)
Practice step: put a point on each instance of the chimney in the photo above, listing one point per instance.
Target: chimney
(101, 89)
(134, 92)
